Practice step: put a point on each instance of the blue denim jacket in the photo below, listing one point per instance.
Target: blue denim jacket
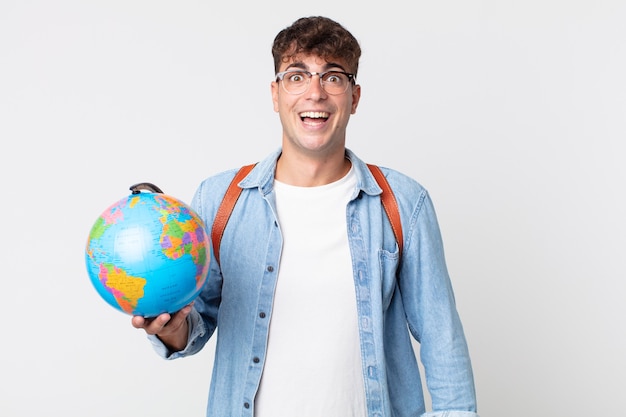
(237, 299)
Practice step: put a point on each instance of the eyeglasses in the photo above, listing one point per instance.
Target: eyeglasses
(298, 81)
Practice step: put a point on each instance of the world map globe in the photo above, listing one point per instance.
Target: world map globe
(148, 253)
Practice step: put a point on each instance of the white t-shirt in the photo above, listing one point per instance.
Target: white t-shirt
(313, 364)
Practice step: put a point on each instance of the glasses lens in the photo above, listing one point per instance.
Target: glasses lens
(335, 82)
(296, 82)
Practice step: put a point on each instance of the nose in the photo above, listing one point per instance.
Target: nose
(315, 87)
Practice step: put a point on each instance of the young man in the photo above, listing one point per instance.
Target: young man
(313, 301)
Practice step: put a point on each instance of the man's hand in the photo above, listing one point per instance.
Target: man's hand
(171, 329)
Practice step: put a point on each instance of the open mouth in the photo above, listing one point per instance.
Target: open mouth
(314, 116)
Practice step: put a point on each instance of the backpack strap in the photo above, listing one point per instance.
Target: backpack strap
(387, 199)
(390, 205)
(226, 208)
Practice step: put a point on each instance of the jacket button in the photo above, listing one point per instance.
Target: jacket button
(270, 268)
(262, 314)
(256, 359)
(246, 405)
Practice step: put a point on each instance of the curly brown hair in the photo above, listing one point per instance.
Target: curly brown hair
(316, 35)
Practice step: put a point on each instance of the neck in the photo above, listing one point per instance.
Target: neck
(307, 172)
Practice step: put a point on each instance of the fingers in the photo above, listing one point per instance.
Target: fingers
(138, 322)
(164, 324)
(151, 325)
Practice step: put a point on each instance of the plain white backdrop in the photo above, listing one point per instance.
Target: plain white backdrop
(511, 113)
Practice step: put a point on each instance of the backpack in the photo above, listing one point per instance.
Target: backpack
(387, 199)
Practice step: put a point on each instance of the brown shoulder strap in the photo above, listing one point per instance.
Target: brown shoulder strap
(390, 204)
(226, 208)
(387, 199)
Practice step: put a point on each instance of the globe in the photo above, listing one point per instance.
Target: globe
(148, 253)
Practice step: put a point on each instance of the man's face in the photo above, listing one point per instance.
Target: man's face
(314, 122)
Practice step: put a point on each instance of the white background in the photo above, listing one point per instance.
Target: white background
(511, 113)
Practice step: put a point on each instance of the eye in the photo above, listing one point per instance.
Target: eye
(296, 77)
(334, 78)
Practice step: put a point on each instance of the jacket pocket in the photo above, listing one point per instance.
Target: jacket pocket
(388, 262)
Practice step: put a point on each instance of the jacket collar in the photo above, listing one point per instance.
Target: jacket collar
(262, 176)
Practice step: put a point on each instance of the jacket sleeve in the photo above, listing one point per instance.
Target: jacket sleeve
(432, 316)
(197, 332)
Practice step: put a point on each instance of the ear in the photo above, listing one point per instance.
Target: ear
(274, 88)
(356, 96)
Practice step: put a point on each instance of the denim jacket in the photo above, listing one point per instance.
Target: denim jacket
(395, 298)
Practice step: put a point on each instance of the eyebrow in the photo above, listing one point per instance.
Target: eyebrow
(327, 66)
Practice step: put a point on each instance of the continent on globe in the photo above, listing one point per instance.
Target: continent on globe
(126, 289)
(148, 253)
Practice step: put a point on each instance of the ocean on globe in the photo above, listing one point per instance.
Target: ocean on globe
(148, 253)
